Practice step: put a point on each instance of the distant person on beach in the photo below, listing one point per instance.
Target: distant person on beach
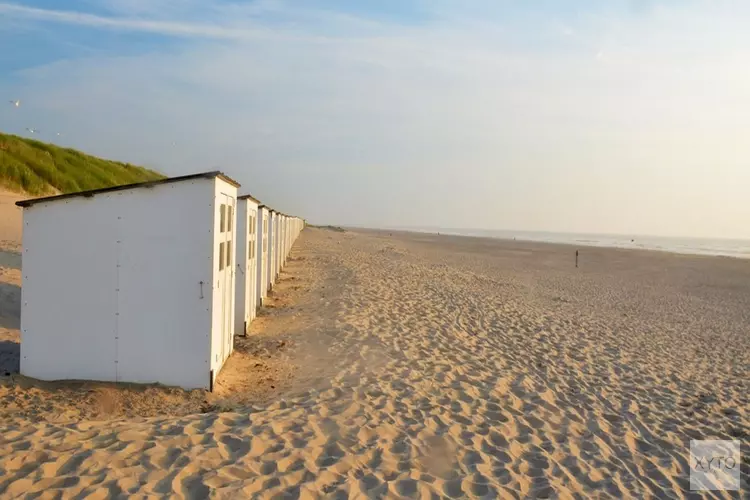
(576, 258)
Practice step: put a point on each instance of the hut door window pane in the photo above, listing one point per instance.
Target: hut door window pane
(221, 256)
(223, 217)
(229, 217)
(229, 253)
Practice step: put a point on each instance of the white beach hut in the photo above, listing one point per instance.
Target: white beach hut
(262, 264)
(279, 239)
(284, 236)
(131, 283)
(277, 243)
(283, 240)
(292, 235)
(246, 301)
(287, 237)
(272, 230)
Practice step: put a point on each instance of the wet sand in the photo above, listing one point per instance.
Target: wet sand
(421, 365)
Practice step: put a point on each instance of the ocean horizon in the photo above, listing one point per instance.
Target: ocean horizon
(694, 246)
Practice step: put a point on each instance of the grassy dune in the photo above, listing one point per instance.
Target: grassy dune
(38, 168)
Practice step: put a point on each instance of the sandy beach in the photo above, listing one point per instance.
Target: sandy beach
(416, 365)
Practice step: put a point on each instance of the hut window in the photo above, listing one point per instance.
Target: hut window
(251, 252)
(223, 217)
(221, 255)
(251, 225)
(229, 217)
(229, 253)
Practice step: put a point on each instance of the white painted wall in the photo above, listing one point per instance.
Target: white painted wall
(281, 242)
(281, 247)
(68, 295)
(263, 228)
(251, 304)
(246, 265)
(286, 241)
(272, 230)
(289, 238)
(112, 286)
(277, 248)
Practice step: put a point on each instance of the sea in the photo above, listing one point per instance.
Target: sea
(695, 246)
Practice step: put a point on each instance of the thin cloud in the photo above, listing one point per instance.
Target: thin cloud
(176, 29)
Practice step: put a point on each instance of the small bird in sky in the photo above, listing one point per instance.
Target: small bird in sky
(15, 103)
(32, 130)
(59, 134)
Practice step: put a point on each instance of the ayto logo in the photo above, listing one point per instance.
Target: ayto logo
(706, 464)
(714, 465)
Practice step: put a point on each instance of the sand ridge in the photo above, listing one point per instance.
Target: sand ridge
(451, 367)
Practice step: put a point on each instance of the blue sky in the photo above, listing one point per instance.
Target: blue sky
(608, 117)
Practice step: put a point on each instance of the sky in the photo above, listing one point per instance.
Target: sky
(624, 116)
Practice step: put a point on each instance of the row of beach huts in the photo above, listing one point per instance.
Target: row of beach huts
(148, 282)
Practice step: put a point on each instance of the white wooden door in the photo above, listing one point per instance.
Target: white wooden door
(264, 258)
(229, 290)
(251, 275)
(226, 272)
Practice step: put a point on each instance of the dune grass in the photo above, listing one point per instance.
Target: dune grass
(38, 168)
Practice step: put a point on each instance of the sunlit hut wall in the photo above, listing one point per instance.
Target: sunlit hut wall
(282, 232)
(130, 284)
(262, 263)
(285, 240)
(271, 250)
(274, 244)
(289, 237)
(293, 235)
(246, 276)
(293, 227)
(277, 261)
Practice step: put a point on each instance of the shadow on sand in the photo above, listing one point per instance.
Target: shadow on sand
(10, 357)
(10, 306)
